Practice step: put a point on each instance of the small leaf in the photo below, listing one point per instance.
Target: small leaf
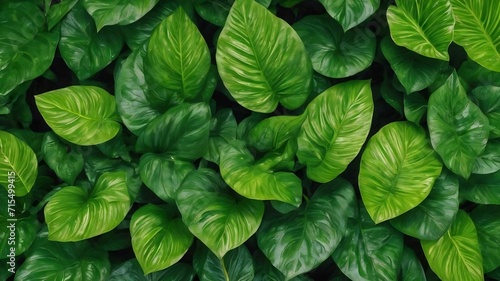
(83, 115)
(482, 189)
(66, 164)
(237, 265)
(350, 13)
(485, 218)
(456, 255)
(487, 99)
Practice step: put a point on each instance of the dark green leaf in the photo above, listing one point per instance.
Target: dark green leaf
(411, 269)
(24, 234)
(487, 99)
(350, 13)
(223, 131)
(485, 218)
(58, 11)
(273, 132)
(415, 106)
(214, 11)
(66, 162)
(489, 161)
(132, 271)
(475, 75)
(236, 265)
(482, 189)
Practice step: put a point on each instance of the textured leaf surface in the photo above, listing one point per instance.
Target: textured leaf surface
(58, 11)
(456, 255)
(489, 161)
(254, 61)
(83, 115)
(485, 218)
(411, 268)
(482, 189)
(350, 13)
(66, 165)
(273, 132)
(113, 12)
(237, 265)
(487, 99)
(397, 171)
(221, 133)
(336, 126)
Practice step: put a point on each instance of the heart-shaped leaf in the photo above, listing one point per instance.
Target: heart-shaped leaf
(159, 238)
(487, 99)
(254, 62)
(397, 171)
(132, 271)
(336, 126)
(75, 214)
(237, 265)
(425, 27)
(458, 129)
(220, 220)
(456, 255)
(485, 218)
(350, 13)
(83, 115)
(299, 241)
(66, 164)
(477, 31)
(433, 217)
(482, 189)
(489, 161)
(18, 165)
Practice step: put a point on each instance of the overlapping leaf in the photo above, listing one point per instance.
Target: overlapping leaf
(485, 218)
(482, 189)
(350, 13)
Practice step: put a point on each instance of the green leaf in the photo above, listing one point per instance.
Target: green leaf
(163, 174)
(336, 126)
(117, 12)
(220, 220)
(458, 129)
(183, 131)
(487, 99)
(475, 75)
(414, 71)
(254, 181)
(222, 132)
(178, 57)
(116, 147)
(83, 115)
(482, 189)
(159, 238)
(84, 50)
(368, 251)
(24, 234)
(237, 265)
(476, 30)
(411, 268)
(350, 13)
(75, 214)
(66, 162)
(213, 11)
(132, 271)
(415, 106)
(57, 12)
(333, 53)
(65, 261)
(397, 171)
(18, 165)
(27, 53)
(456, 255)
(301, 240)
(425, 27)
(32, 139)
(433, 217)
(273, 132)
(489, 161)
(485, 218)
(254, 61)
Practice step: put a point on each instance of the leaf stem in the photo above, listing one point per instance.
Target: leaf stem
(226, 275)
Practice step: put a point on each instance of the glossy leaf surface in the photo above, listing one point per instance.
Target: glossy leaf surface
(66, 165)
(482, 189)
(350, 13)
(117, 11)
(485, 218)
(487, 99)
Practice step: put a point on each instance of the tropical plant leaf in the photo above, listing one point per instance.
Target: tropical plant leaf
(397, 171)
(57, 12)
(254, 63)
(350, 13)
(482, 189)
(487, 99)
(132, 271)
(336, 126)
(411, 268)
(25, 234)
(475, 75)
(456, 255)
(214, 11)
(415, 107)
(222, 132)
(489, 161)
(485, 218)
(66, 164)
(237, 265)
(273, 132)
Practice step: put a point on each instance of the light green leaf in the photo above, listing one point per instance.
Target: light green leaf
(159, 238)
(237, 265)
(83, 115)
(132, 271)
(482, 189)
(456, 255)
(433, 217)
(333, 53)
(489, 161)
(350, 13)
(220, 220)
(425, 27)
(301, 240)
(485, 218)
(222, 132)
(411, 268)
(273, 132)
(476, 30)
(66, 162)
(397, 171)
(336, 126)
(254, 61)
(57, 12)
(458, 129)
(178, 57)
(121, 12)
(487, 99)
(75, 214)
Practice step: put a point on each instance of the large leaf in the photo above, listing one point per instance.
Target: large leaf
(333, 53)
(237, 265)
(254, 61)
(482, 189)
(414, 71)
(336, 126)
(369, 252)
(433, 217)
(425, 27)
(456, 255)
(75, 214)
(57, 12)
(66, 164)
(18, 165)
(397, 171)
(65, 261)
(163, 174)
(458, 129)
(485, 218)
(25, 53)
(476, 30)
(182, 131)
(178, 57)
(256, 180)
(132, 271)
(83, 115)
(487, 99)
(220, 220)
(113, 12)
(83, 49)
(159, 238)
(301, 240)
(489, 160)
(411, 268)
(350, 13)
